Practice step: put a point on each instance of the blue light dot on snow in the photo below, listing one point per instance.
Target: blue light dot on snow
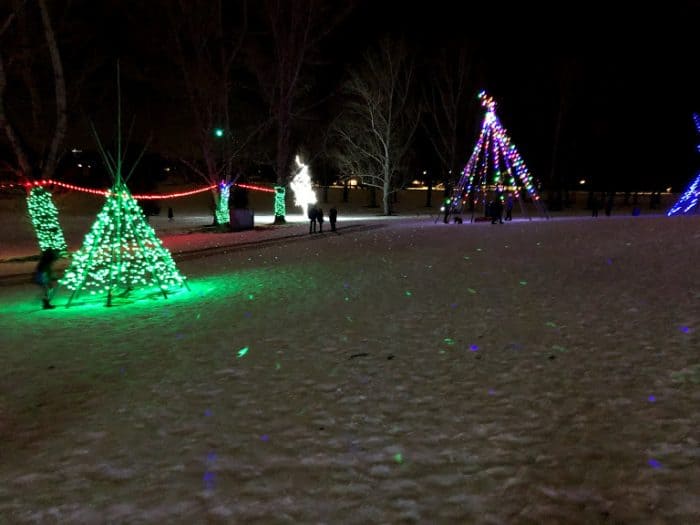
(473, 348)
(685, 329)
(211, 456)
(208, 479)
(609, 261)
(265, 437)
(207, 413)
(654, 463)
(652, 399)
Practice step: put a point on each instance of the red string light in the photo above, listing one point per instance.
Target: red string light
(255, 188)
(173, 195)
(149, 196)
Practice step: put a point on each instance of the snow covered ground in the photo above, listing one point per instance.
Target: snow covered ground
(400, 371)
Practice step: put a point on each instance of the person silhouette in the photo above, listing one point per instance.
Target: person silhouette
(333, 216)
(509, 207)
(497, 211)
(313, 215)
(595, 206)
(44, 276)
(319, 218)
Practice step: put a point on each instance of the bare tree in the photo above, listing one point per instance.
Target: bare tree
(37, 151)
(447, 96)
(208, 54)
(296, 28)
(376, 128)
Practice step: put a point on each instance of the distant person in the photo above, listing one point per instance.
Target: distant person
(44, 276)
(609, 204)
(313, 215)
(509, 208)
(595, 206)
(319, 218)
(497, 211)
(171, 215)
(332, 217)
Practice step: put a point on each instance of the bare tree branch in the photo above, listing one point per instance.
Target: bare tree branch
(376, 129)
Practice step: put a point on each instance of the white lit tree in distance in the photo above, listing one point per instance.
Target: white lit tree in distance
(301, 186)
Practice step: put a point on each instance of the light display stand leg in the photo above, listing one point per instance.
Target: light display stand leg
(115, 256)
(160, 283)
(95, 243)
(523, 208)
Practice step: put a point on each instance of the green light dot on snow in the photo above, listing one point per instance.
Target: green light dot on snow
(551, 324)
(398, 458)
(523, 283)
(478, 249)
(558, 348)
(277, 366)
(467, 258)
(243, 351)
(408, 293)
(471, 290)
(251, 296)
(347, 298)
(449, 341)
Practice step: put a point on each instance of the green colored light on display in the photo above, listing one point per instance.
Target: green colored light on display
(218, 132)
(222, 212)
(280, 205)
(121, 251)
(243, 351)
(44, 217)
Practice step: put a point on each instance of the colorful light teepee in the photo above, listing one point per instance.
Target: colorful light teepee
(494, 164)
(688, 203)
(121, 252)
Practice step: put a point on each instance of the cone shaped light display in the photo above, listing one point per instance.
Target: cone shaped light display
(494, 162)
(688, 202)
(121, 252)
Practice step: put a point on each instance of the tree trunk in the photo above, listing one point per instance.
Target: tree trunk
(386, 198)
(60, 86)
(215, 205)
(12, 137)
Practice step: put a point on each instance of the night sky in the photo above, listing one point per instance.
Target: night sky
(623, 78)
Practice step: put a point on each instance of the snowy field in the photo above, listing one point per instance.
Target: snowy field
(400, 372)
